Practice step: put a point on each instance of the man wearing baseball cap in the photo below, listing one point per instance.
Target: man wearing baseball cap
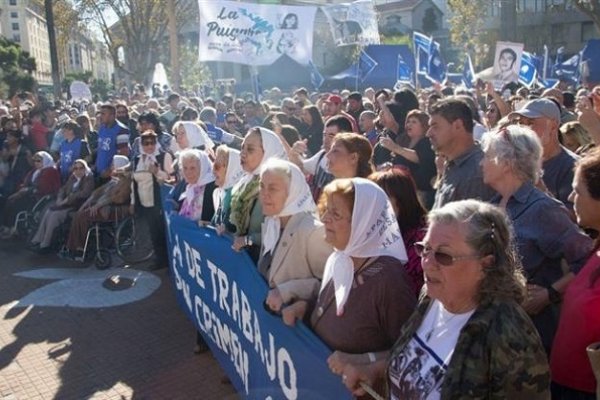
(543, 117)
(334, 106)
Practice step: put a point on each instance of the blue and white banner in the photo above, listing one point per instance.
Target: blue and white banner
(590, 62)
(366, 65)
(468, 75)
(436, 66)
(316, 78)
(404, 72)
(222, 293)
(353, 23)
(255, 34)
(528, 71)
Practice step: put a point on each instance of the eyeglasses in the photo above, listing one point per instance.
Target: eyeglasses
(37, 160)
(440, 257)
(148, 143)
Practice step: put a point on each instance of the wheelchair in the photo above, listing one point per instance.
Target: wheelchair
(27, 222)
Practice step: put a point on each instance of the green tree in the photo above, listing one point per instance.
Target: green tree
(193, 72)
(140, 30)
(16, 67)
(467, 27)
(591, 8)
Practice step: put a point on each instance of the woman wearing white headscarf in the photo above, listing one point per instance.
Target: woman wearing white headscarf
(196, 200)
(228, 171)
(42, 180)
(71, 196)
(190, 135)
(365, 296)
(259, 145)
(294, 252)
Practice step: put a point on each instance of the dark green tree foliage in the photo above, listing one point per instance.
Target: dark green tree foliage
(16, 67)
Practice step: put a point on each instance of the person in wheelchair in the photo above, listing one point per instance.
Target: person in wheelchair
(151, 167)
(110, 202)
(70, 197)
(42, 180)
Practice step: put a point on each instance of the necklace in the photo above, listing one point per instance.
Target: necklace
(434, 326)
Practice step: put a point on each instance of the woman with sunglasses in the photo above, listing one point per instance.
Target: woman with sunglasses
(546, 237)
(469, 337)
(151, 167)
(71, 196)
(42, 180)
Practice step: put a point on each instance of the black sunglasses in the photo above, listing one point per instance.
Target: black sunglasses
(440, 257)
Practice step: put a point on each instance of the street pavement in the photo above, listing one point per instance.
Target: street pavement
(68, 331)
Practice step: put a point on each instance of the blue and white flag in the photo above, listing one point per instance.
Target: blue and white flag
(590, 61)
(255, 34)
(366, 65)
(421, 41)
(468, 75)
(315, 76)
(436, 67)
(528, 71)
(568, 69)
(403, 73)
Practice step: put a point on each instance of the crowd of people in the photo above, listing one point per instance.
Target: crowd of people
(442, 242)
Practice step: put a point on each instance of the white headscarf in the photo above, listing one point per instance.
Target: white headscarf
(272, 148)
(206, 172)
(47, 162)
(232, 176)
(374, 232)
(120, 162)
(299, 200)
(86, 168)
(196, 136)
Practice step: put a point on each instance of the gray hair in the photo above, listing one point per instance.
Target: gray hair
(190, 154)
(518, 146)
(488, 231)
(208, 114)
(278, 167)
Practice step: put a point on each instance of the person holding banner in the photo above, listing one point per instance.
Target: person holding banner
(259, 145)
(469, 337)
(366, 295)
(227, 171)
(294, 252)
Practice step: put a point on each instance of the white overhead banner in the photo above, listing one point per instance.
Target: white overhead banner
(255, 34)
(353, 23)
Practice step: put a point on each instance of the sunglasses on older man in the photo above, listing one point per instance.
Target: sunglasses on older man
(440, 257)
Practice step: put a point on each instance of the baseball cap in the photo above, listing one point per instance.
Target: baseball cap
(355, 96)
(538, 108)
(334, 98)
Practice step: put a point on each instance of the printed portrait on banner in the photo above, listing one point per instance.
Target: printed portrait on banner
(507, 63)
(353, 23)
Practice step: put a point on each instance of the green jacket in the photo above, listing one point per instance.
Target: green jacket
(498, 355)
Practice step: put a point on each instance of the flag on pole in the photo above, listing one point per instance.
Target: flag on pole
(366, 65)
(436, 67)
(315, 76)
(403, 73)
(468, 75)
(590, 61)
(528, 70)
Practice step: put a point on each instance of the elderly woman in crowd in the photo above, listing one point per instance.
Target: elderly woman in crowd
(545, 234)
(469, 337)
(70, 197)
(108, 202)
(149, 121)
(294, 252)
(190, 135)
(196, 201)
(228, 171)
(350, 156)
(42, 180)
(410, 214)
(246, 215)
(417, 156)
(579, 324)
(151, 167)
(366, 296)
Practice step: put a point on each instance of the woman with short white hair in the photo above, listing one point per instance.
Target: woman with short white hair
(294, 251)
(545, 233)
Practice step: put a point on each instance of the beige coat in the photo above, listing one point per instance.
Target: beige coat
(299, 259)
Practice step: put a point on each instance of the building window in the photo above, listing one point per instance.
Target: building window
(588, 31)
(12, 2)
(17, 38)
(14, 14)
(15, 26)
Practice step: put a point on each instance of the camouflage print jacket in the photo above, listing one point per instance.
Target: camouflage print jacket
(498, 355)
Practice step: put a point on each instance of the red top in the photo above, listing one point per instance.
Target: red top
(39, 136)
(579, 326)
(48, 181)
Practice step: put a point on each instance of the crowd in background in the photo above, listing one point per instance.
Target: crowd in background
(442, 242)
